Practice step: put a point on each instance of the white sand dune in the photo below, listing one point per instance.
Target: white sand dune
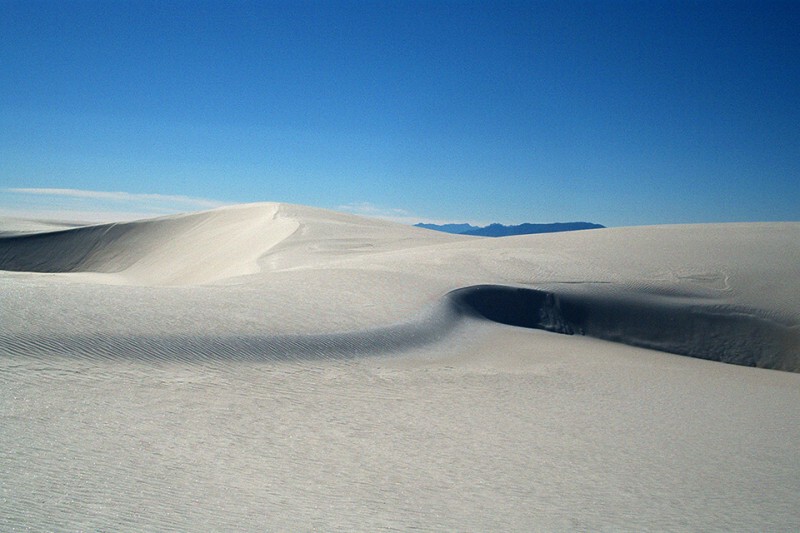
(195, 248)
(271, 366)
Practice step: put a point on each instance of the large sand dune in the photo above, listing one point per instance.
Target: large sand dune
(271, 366)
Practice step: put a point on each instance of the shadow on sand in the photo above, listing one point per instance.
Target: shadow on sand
(713, 332)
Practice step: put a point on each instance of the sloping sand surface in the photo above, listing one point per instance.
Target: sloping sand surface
(271, 366)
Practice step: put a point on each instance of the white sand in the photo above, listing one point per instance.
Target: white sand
(280, 367)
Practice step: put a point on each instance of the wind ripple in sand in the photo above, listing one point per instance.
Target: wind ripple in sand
(713, 332)
(428, 328)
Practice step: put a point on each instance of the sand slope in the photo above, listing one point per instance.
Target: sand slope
(272, 366)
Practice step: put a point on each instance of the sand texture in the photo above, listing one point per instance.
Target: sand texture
(279, 367)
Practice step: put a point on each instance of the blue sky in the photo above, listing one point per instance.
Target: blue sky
(622, 113)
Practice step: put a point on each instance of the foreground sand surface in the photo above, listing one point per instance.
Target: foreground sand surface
(278, 367)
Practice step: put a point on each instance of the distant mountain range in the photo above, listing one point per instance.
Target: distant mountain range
(499, 230)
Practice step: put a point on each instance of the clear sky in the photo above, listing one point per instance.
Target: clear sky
(621, 113)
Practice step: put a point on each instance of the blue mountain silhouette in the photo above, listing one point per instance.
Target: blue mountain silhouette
(500, 230)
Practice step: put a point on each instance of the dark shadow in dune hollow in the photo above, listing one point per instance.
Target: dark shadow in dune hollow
(718, 333)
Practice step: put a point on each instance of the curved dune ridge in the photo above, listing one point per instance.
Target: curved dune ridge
(730, 335)
(267, 239)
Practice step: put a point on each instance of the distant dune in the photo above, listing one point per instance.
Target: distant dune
(273, 366)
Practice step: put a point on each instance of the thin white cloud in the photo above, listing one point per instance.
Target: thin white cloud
(392, 214)
(372, 210)
(94, 206)
(119, 196)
